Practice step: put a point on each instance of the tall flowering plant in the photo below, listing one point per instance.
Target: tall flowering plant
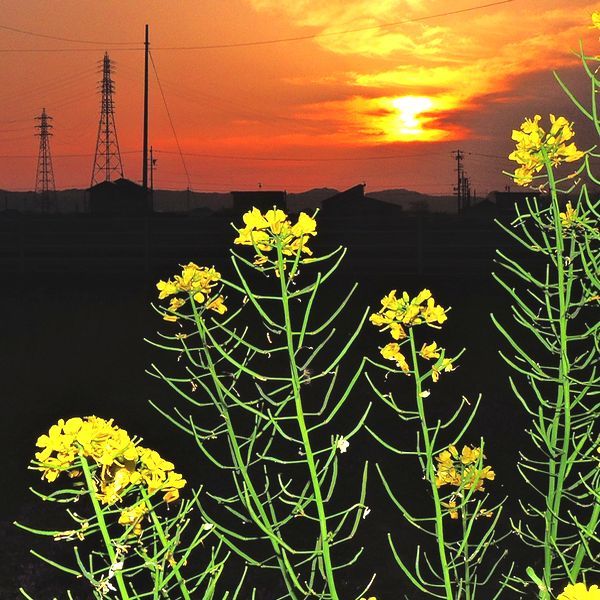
(259, 373)
(554, 350)
(455, 480)
(114, 490)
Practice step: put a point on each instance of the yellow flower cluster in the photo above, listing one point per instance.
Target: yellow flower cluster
(273, 229)
(121, 461)
(194, 281)
(580, 591)
(533, 142)
(460, 470)
(569, 218)
(397, 314)
(133, 516)
(596, 20)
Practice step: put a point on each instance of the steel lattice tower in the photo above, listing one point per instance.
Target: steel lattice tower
(107, 158)
(44, 179)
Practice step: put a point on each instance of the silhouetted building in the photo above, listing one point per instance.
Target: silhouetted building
(505, 201)
(263, 200)
(353, 203)
(120, 197)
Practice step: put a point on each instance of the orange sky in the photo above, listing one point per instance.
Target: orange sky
(383, 104)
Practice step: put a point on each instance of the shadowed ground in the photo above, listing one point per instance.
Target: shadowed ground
(72, 345)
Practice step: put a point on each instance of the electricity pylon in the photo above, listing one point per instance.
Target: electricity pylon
(44, 179)
(107, 158)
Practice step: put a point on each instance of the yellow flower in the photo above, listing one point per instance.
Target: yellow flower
(166, 289)
(596, 20)
(434, 313)
(254, 219)
(429, 351)
(469, 455)
(533, 142)
(390, 302)
(173, 484)
(411, 312)
(217, 305)
(473, 477)
(120, 462)
(397, 313)
(523, 176)
(133, 516)
(305, 226)
(422, 296)
(378, 319)
(569, 217)
(445, 365)
(579, 591)
(458, 469)
(397, 331)
(174, 305)
(193, 280)
(274, 229)
(452, 510)
(251, 237)
(391, 351)
(275, 219)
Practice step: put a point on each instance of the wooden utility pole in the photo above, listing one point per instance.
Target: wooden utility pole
(145, 144)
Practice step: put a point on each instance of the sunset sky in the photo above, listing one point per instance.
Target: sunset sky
(374, 91)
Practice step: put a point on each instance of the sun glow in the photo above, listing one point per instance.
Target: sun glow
(407, 120)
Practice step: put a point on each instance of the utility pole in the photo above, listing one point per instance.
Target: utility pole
(459, 154)
(44, 179)
(107, 158)
(145, 141)
(152, 167)
(463, 185)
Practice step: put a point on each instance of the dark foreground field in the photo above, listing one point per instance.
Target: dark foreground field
(72, 344)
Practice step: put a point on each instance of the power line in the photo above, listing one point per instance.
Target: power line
(45, 86)
(62, 39)
(87, 155)
(46, 50)
(276, 40)
(334, 33)
(11, 121)
(487, 155)
(305, 159)
(187, 175)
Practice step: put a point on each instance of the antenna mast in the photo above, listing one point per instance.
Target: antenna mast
(107, 158)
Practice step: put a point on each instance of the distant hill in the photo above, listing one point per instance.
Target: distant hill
(310, 199)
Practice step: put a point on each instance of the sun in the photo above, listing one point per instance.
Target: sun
(409, 118)
(407, 122)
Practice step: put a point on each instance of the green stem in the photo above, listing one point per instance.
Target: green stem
(103, 528)
(561, 426)
(465, 532)
(287, 572)
(310, 461)
(587, 532)
(430, 472)
(161, 536)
